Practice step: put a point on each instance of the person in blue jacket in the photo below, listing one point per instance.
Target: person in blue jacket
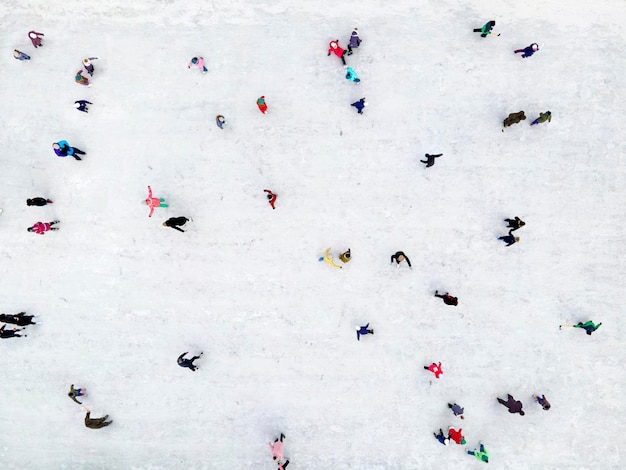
(359, 105)
(220, 121)
(351, 75)
(81, 105)
(363, 330)
(528, 51)
(442, 438)
(20, 55)
(184, 362)
(355, 41)
(509, 239)
(63, 149)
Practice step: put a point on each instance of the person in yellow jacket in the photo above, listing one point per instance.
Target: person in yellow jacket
(328, 259)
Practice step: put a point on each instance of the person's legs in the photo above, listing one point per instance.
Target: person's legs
(482, 447)
(78, 151)
(282, 436)
(519, 50)
(162, 204)
(471, 452)
(343, 58)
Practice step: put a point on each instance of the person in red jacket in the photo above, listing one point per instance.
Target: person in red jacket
(271, 197)
(35, 38)
(435, 369)
(262, 105)
(457, 436)
(447, 298)
(336, 49)
(43, 227)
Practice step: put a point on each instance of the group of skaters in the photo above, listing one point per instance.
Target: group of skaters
(513, 225)
(36, 40)
(19, 319)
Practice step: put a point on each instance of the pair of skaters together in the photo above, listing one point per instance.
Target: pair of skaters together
(19, 319)
(513, 224)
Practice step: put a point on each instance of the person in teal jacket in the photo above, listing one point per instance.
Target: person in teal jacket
(481, 454)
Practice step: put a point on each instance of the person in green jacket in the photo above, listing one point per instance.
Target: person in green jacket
(486, 29)
(589, 326)
(543, 117)
(481, 454)
(76, 393)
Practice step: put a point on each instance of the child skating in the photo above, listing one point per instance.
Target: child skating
(513, 405)
(588, 326)
(262, 105)
(543, 401)
(188, 363)
(509, 239)
(80, 79)
(486, 29)
(277, 447)
(528, 50)
(76, 392)
(81, 105)
(43, 227)
(447, 298)
(351, 75)
(335, 48)
(360, 105)
(362, 331)
(543, 117)
(88, 65)
(20, 55)
(220, 121)
(442, 438)
(176, 223)
(435, 368)
(38, 201)
(430, 159)
(399, 257)
(515, 223)
(36, 38)
(458, 410)
(198, 62)
(354, 42)
(271, 197)
(480, 454)
(154, 202)
(62, 148)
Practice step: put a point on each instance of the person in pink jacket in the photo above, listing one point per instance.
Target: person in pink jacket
(43, 227)
(35, 38)
(277, 448)
(153, 202)
(198, 62)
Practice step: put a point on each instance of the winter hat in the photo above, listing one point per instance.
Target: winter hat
(77, 105)
(56, 146)
(86, 62)
(463, 441)
(535, 47)
(29, 229)
(16, 53)
(194, 60)
(32, 35)
(333, 44)
(364, 103)
(355, 32)
(516, 239)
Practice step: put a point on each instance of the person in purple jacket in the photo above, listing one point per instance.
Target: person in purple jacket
(355, 41)
(514, 406)
(529, 50)
(363, 330)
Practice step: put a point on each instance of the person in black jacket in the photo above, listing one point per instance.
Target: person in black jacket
(19, 319)
(10, 333)
(515, 223)
(188, 362)
(512, 404)
(509, 239)
(399, 256)
(447, 298)
(38, 201)
(176, 223)
(430, 159)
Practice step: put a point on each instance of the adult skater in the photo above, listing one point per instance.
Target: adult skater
(442, 438)
(96, 423)
(515, 223)
(430, 159)
(588, 326)
(271, 197)
(63, 149)
(81, 105)
(528, 51)
(362, 331)
(76, 392)
(10, 333)
(336, 49)
(78, 78)
(542, 400)
(457, 410)
(486, 29)
(154, 202)
(360, 105)
(355, 41)
(277, 447)
(509, 239)
(447, 298)
(262, 104)
(88, 65)
(19, 319)
(43, 227)
(481, 454)
(346, 256)
(38, 201)
(176, 223)
(435, 368)
(35, 38)
(188, 363)
(220, 121)
(351, 75)
(543, 117)
(399, 257)
(514, 406)
(283, 466)
(198, 62)
(20, 55)
(513, 118)
(457, 436)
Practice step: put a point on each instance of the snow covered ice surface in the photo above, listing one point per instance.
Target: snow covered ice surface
(119, 297)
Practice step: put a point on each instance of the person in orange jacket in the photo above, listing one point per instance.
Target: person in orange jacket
(153, 202)
(336, 49)
(435, 369)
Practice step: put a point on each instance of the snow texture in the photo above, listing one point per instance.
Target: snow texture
(119, 297)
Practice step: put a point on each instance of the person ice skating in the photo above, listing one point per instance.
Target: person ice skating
(328, 259)
(38, 201)
(76, 392)
(220, 121)
(88, 65)
(515, 223)
(80, 79)
(363, 330)
(545, 404)
(514, 406)
(486, 29)
(277, 447)
(20, 55)
(528, 51)
(509, 239)
(442, 438)
(346, 256)
(399, 257)
(283, 466)
(10, 333)
(543, 117)
(447, 298)
(19, 319)
(355, 41)
(154, 202)
(198, 62)
(435, 369)
(481, 454)
(513, 118)
(457, 436)
(336, 49)
(188, 363)
(589, 326)
(96, 423)
(262, 104)
(63, 149)
(81, 105)
(43, 227)
(351, 75)
(430, 159)
(457, 410)
(271, 197)
(176, 223)
(35, 38)
(360, 105)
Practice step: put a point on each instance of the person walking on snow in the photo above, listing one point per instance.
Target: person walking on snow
(336, 49)
(529, 50)
(76, 392)
(80, 79)
(271, 197)
(63, 149)
(88, 65)
(362, 331)
(20, 55)
(96, 423)
(35, 38)
(10, 333)
(447, 298)
(176, 223)
(435, 369)
(261, 104)
(19, 319)
(486, 29)
(457, 436)
(514, 406)
(355, 41)
(481, 454)
(38, 201)
(515, 223)
(283, 466)
(456, 409)
(220, 121)
(351, 75)
(153, 202)
(430, 159)
(545, 404)
(188, 363)
(589, 326)
(277, 448)
(399, 257)
(43, 227)
(509, 239)
(443, 439)
(513, 118)
(360, 105)
(81, 105)
(198, 62)
(543, 117)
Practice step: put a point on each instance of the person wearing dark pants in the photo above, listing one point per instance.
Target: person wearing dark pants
(10, 333)
(38, 201)
(447, 298)
(283, 466)
(183, 362)
(430, 159)
(96, 423)
(515, 223)
(176, 223)
(514, 406)
(509, 239)
(19, 319)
